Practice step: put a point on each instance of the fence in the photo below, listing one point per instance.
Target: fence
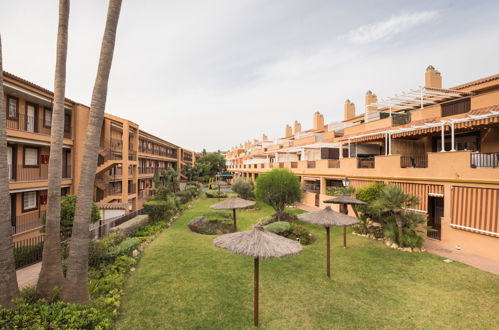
(485, 160)
(29, 250)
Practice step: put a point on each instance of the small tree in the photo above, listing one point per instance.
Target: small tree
(278, 188)
(243, 188)
(68, 205)
(394, 204)
(166, 182)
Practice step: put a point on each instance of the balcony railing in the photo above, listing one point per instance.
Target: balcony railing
(367, 162)
(27, 123)
(485, 160)
(25, 222)
(132, 155)
(112, 190)
(23, 174)
(132, 188)
(419, 161)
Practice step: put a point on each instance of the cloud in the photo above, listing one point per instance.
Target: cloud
(385, 29)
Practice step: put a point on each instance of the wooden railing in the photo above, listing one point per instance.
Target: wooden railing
(25, 222)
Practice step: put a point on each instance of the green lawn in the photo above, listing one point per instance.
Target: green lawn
(183, 282)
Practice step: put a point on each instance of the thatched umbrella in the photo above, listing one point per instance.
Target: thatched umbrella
(233, 203)
(328, 218)
(219, 183)
(257, 244)
(344, 201)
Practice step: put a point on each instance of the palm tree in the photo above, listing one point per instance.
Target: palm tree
(394, 202)
(76, 285)
(51, 274)
(8, 279)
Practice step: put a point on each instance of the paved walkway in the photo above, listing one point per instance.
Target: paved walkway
(467, 258)
(435, 247)
(28, 276)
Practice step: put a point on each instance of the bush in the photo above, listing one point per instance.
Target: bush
(124, 248)
(278, 188)
(25, 255)
(302, 233)
(59, 315)
(150, 229)
(243, 188)
(97, 253)
(215, 194)
(68, 205)
(159, 209)
(184, 196)
(279, 227)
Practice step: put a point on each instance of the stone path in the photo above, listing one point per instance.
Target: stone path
(28, 276)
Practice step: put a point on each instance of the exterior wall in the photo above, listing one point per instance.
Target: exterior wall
(435, 175)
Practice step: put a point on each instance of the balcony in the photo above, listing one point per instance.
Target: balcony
(30, 124)
(311, 164)
(132, 188)
(365, 162)
(25, 222)
(419, 161)
(485, 160)
(24, 174)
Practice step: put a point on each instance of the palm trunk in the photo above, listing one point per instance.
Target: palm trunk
(76, 285)
(8, 279)
(51, 274)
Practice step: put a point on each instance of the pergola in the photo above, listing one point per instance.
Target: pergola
(479, 116)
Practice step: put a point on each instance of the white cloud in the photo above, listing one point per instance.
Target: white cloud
(386, 29)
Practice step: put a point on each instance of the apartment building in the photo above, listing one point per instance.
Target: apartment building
(128, 156)
(440, 144)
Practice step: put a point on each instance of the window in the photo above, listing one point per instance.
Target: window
(13, 106)
(47, 117)
(67, 122)
(456, 107)
(30, 157)
(29, 201)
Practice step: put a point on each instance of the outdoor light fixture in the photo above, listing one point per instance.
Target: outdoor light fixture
(346, 182)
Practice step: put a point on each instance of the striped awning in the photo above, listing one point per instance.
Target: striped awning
(476, 210)
(422, 191)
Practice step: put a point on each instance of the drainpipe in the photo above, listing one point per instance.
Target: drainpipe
(453, 145)
(443, 138)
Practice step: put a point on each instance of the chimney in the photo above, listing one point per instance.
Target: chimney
(370, 98)
(318, 121)
(433, 77)
(255, 140)
(289, 132)
(265, 138)
(297, 127)
(348, 110)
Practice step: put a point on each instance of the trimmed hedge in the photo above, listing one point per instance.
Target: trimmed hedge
(157, 210)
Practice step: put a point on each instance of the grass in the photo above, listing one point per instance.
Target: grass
(183, 282)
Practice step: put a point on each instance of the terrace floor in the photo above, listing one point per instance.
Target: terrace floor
(183, 282)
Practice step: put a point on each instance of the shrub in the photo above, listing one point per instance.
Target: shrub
(279, 227)
(124, 248)
(159, 209)
(150, 229)
(215, 194)
(243, 188)
(302, 233)
(184, 196)
(68, 205)
(278, 188)
(25, 255)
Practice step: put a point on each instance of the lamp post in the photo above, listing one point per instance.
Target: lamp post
(346, 182)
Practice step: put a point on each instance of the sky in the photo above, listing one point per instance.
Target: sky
(213, 74)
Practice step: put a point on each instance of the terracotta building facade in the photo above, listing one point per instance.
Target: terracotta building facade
(440, 144)
(128, 157)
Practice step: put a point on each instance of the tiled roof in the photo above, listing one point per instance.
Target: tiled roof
(477, 82)
(29, 83)
(112, 206)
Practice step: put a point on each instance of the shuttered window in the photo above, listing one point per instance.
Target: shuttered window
(456, 107)
(476, 210)
(13, 106)
(30, 156)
